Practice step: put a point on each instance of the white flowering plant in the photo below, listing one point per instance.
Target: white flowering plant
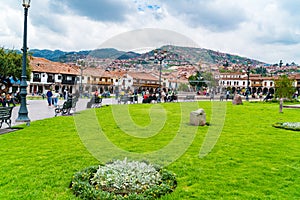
(123, 179)
(295, 126)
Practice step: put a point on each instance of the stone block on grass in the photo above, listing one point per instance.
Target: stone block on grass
(198, 117)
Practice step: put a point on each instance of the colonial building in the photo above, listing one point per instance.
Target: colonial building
(145, 80)
(95, 79)
(73, 78)
(54, 75)
(257, 83)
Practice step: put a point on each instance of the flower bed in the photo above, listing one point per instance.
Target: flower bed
(295, 126)
(123, 180)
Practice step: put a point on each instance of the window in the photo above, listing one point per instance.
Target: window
(36, 75)
(271, 84)
(59, 77)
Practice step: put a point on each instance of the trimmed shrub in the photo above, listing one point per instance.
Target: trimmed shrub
(295, 126)
(123, 180)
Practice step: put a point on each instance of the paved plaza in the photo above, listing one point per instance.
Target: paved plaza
(39, 109)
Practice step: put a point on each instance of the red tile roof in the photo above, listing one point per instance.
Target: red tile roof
(44, 65)
(143, 76)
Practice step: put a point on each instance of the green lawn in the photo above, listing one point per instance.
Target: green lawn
(251, 159)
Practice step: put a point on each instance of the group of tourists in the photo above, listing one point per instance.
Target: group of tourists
(52, 97)
(6, 99)
(159, 96)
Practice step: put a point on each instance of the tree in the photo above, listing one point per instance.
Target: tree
(11, 64)
(197, 80)
(209, 79)
(183, 87)
(284, 87)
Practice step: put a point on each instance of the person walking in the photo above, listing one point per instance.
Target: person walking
(55, 98)
(49, 95)
(9, 100)
(3, 99)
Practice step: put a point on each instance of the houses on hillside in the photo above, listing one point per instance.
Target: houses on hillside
(75, 78)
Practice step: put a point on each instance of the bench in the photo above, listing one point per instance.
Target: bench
(189, 97)
(171, 98)
(67, 106)
(291, 106)
(5, 115)
(125, 99)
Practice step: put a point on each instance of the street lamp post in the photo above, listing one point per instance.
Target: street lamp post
(23, 112)
(82, 67)
(248, 77)
(160, 56)
(81, 87)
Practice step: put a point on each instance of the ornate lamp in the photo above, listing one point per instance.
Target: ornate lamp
(23, 112)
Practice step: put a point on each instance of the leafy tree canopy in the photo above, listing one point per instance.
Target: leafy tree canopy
(11, 64)
(198, 80)
(284, 87)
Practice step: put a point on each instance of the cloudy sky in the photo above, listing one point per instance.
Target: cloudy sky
(267, 30)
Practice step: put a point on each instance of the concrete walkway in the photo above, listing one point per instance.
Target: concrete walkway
(39, 109)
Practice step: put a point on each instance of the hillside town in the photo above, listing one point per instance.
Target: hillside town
(106, 76)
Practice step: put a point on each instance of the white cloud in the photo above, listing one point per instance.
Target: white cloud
(265, 30)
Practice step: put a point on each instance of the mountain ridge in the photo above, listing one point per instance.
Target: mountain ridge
(189, 54)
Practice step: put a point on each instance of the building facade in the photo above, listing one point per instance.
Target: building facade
(86, 80)
(52, 75)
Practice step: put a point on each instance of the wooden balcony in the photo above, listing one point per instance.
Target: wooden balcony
(99, 83)
(257, 85)
(104, 83)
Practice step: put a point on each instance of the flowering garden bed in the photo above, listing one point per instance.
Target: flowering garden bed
(123, 180)
(295, 126)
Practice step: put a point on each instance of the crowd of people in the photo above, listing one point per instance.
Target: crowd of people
(159, 96)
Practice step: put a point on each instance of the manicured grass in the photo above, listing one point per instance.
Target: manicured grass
(251, 159)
